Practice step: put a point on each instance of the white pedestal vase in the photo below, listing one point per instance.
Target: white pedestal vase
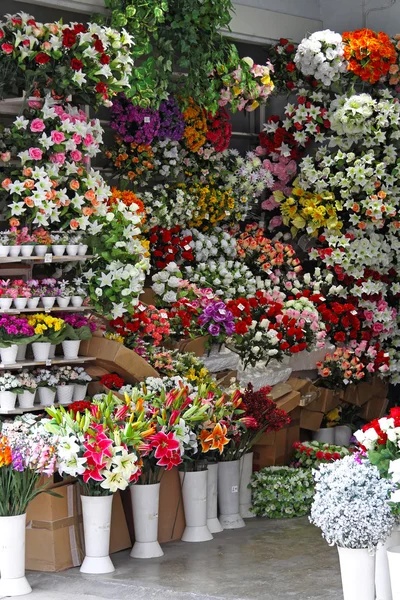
(48, 302)
(7, 401)
(58, 249)
(20, 303)
(228, 494)
(33, 302)
(27, 251)
(96, 526)
(4, 251)
(194, 493)
(46, 396)
(9, 355)
(72, 249)
(15, 250)
(40, 250)
(246, 469)
(12, 557)
(65, 393)
(71, 349)
(357, 568)
(5, 303)
(63, 302)
(325, 435)
(383, 590)
(82, 249)
(41, 351)
(77, 301)
(26, 399)
(393, 554)
(80, 392)
(213, 523)
(342, 435)
(145, 502)
(52, 352)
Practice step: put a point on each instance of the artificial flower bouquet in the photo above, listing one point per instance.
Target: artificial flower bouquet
(312, 454)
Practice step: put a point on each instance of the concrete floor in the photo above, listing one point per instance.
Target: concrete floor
(268, 560)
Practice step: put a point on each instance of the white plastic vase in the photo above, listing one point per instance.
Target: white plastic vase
(80, 391)
(357, 568)
(4, 251)
(21, 353)
(41, 350)
(325, 435)
(96, 526)
(383, 590)
(5, 303)
(26, 251)
(7, 402)
(9, 355)
(46, 396)
(71, 349)
(15, 250)
(40, 250)
(228, 494)
(52, 352)
(33, 302)
(213, 523)
(246, 469)
(145, 503)
(26, 399)
(393, 554)
(48, 301)
(20, 303)
(65, 393)
(342, 435)
(72, 249)
(194, 493)
(58, 249)
(12, 557)
(77, 301)
(63, 302)
(82, 249)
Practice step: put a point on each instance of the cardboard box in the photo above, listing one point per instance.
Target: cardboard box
(115, 358)
(375, 408)
(310, 420)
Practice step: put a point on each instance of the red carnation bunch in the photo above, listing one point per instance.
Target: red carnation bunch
(219, 130)
(112, 382)
(169, 245)
(147, 325)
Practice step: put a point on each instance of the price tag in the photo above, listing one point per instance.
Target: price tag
(48, 362)
(48, 258)
(147, 119)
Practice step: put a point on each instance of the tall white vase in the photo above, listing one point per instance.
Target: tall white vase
(96, 512)
(71, 349)
(383, 588)
(357, 568)
(194, 493)
(145, 502)
(12, 557)
(213, 523)
(393, 554)
(228, 494)
(246, 469)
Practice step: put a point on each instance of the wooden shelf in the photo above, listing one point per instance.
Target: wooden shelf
(43, 363)
(44, 259)
(41, 309)
(35, 408)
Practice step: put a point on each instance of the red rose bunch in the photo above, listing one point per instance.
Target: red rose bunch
(169, 245)
(147, 324)
(219, 130)
(112, 382)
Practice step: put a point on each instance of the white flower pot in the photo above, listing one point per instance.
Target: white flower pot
(4, 251)
(65, 393)
(194, 493)
(383, 589)
(82, 249)
(8, 400)
(26, 399)
(145, 502)
(357, 568)
(213, 523)
(41, 350)
(33, 302)
(246, 469)
(52, 352)
(77, 301)
(228, 494)
(12, 557)
(63, 302)
(15, 250)
(21, 352)
(58, 249)
(48, 301)
(342, 435)
(40, 250)
(96, 525)
(20, 303)
(27, 250)
(46, 396)
(5, 303)
(72, 249)
(325, 435)
(80, 392)
(71, 349)
(393, 554)
(9, 355)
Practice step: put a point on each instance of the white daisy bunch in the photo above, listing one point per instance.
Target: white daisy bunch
(321, 56)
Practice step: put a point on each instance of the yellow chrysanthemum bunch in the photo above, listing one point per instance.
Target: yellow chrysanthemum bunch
(45, 324)
(213, 205)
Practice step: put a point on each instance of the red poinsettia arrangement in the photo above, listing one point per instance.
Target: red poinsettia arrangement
(219, 130)
(169, 245)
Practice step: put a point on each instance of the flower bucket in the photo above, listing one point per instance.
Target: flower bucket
(9, 355)
(12, 557)
(33, 302)
(228, 494)
(21, 352)
(15, 250)
(27, 251)
(65, 393)
(8, 400)
(383, 588)
(46, 396)
(48, 301)
(52, 352)
(96, 526)
(246, 469)
(342, 435)
(77, 301)
(71, 349)
(58, 249)
(213, 523)
(4, 251)
(63, 302)
(72, 249)
(393, 554)
(5, 303)
(40, 250)
(20, 303)
(194, 493)
(41, 350)
(82, 249)
(357, 568)
(80, 392)
(26, 399)
(325, 435)
(145, 502)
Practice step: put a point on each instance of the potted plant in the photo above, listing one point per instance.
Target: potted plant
(59, 243)
(351, 506)
(49, 330)
(14, 331)
(9, 388)
(81, 384)
(22, 293)
(28, 387)
(47, 382)
(42, 240)
(77, 328)
(24, 239)
(27, 452)
(4, 244)
(66, 292)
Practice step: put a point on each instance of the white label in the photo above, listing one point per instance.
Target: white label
(48, 258)
(48, 362)
(147, 119)
(235, 489)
